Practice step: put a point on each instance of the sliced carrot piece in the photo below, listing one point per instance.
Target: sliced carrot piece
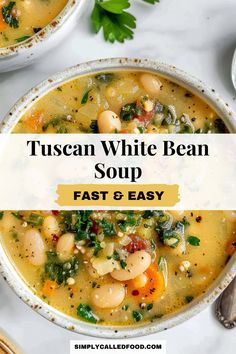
(34, 122)
(154, 286)
(49, 287)
(3, 24)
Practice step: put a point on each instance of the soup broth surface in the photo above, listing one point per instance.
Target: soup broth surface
(21, 19)
(119, 267)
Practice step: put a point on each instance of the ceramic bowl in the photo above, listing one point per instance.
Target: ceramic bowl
(7, 268)
(22, 54)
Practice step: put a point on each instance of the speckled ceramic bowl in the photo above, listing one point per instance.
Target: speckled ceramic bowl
(7, 268)
(24, 53)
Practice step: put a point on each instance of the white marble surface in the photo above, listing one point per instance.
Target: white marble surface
(198, 36)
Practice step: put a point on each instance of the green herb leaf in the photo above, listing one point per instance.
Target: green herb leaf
(137, 316)
(96, 18)
(123, 264)
(151, 1)
(125, 307)
(108, 227)
(17, 215)
(193, 240)
(105, 78)
(85, 97)
(35, 219)
(116, 23)
(1, 214)
(11, 20)
(188, 298)
(129, 221)
(149, 307)
(84, 311)
(114, 6)
(161, 263)
(94, 126)
(22, 39)
(129, 111)
(147, 214)
(60, 271)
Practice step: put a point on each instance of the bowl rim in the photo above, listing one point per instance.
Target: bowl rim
(8, 270)
(46, 32)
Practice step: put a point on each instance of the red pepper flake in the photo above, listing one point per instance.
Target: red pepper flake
(55, 238)
(137, 244)
(55, 212)
(135, 292)
(95, 227)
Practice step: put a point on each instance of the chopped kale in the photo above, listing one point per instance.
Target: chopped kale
(137, 316)
(188, 298)
(219, 126)
(85, 97)
(35, 219)
(17, 215)
(84, 311)
(149, 307)
(193, 240)
(129, 221)
(129, 111)
(105, 78)
(7, 15)
(107, 227)
(60, 271)
(147, 214)
(94, 127)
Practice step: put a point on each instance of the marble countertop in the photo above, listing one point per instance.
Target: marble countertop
(197, 36)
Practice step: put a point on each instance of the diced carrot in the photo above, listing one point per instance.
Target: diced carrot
(34, 122)
(154, 287)
(3, 24)
(204, 269)
(49, 287)
(231, 247)
(124, 131)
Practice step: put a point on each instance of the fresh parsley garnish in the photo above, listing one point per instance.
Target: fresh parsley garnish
(84, 311)
(7, 15)
(85, 97)
(151, 1)
(22, 39)
(1, 214)
(35, 219)
(193, 240)
(117, 24)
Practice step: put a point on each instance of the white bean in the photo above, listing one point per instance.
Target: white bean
(9, 222)
(136, 264)
(50, 226)
(34, 248)
(150, 83)
(65, 246)
(108, 296)
(108, 122)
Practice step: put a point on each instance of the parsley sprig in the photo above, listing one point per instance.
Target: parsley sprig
(117, 24)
